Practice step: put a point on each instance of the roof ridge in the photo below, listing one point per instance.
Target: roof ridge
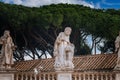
(80, 56)
(95, 55)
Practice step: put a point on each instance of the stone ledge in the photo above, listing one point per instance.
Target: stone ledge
(7, 76)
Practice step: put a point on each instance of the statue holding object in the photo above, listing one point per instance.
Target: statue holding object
(63, 51)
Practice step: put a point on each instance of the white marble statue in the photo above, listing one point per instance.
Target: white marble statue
(117, 43)
(117, 49)
(7, 49)
(63, 50)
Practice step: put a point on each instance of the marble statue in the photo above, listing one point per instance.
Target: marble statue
(117, 49)
(7, 49)
(117, 43)
(63, 50)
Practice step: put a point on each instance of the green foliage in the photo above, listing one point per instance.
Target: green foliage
(36, 29)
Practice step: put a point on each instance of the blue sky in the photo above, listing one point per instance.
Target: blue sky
(115, 4)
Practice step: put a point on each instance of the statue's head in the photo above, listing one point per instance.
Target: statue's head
(6, 33)
(67, 31)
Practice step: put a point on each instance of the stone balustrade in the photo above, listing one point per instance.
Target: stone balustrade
(75, 76)
(31, 76)
(93, 76)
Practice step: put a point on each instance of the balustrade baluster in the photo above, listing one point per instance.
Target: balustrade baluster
(75, 76)
(48, 76)
(35, 76)
(53, 77)
(21, 76)
(101, 76)
(88, 76)
(106, 76)
(92, 76)
(16, 76)
(31, 77)
(79, 76)
(83, 76)
(111, 77)
(43, 76)
(39, 76)
(97, 76)
(26, 77)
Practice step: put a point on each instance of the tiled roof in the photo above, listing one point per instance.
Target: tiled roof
(81, 63)
(26, 65)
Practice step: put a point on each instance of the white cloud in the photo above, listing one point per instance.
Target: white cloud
(6, 1)
(17, 2)
(37, 3)
(91, 5)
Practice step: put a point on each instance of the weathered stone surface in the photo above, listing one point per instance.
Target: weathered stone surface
(6, 77)
(63, 51)
(6, 57)
(64, 76)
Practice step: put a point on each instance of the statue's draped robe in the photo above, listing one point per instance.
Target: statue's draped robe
(61, 43)
(117, 46)
(7, 51)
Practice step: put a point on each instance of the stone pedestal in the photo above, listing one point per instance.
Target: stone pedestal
(117, 73)
(118, 76)
(64, 75)
(6, 76)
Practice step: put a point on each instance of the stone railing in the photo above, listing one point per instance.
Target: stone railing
(75, 76)
(93, 76)
(31, 76)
